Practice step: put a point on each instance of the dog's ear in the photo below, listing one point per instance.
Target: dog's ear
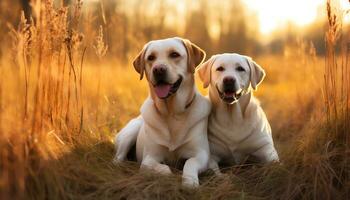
(139, 62)
(204, 71)
(195, 55)
(257, 73)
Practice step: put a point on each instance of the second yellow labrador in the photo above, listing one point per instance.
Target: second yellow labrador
(173, 120)
(237, 124)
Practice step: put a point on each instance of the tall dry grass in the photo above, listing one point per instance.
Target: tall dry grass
(337, 76)
(58, 115)
(42, 104)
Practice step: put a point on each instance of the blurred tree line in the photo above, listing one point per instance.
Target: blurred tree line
(128, 24)
(216, 26)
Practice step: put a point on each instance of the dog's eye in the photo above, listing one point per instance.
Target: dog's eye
(220, 69)
(240, 69)
(174, 55)
(151, 57)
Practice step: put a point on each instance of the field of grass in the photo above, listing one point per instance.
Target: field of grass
(59, 113)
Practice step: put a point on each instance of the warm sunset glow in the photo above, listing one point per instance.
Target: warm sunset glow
(272, 14)
(275, 13)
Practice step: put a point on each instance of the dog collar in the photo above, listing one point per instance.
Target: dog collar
(190, 103)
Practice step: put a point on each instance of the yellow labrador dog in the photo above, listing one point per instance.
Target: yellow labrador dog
(237, 124)
(174, 118)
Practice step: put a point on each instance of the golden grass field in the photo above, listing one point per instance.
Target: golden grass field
(60, 111)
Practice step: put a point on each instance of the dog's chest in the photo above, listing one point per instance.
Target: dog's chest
(178, 131)
(230, 132)
(171, 132)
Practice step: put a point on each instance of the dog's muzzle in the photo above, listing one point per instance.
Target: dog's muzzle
(230, 95)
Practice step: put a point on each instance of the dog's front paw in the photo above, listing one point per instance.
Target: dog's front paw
(158, 168)
(219, 174)
(163, 169)
(190, 182)
(117, 160)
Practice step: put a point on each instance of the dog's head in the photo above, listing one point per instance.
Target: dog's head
(231, 75)
(167, 63)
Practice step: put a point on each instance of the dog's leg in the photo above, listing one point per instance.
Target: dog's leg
(267, 154)
(126, 138)
(153, 164)
(239, 157)
(192, 167)
(213, 165)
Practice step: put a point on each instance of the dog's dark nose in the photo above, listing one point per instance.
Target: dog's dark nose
(229, 81)
(159, 72)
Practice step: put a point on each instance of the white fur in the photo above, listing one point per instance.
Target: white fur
(169, 129)
(239, 128)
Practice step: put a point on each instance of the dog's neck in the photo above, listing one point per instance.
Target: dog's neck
(231, 110)
(179, 102)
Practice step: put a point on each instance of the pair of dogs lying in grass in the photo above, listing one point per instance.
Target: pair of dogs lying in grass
(177, 122)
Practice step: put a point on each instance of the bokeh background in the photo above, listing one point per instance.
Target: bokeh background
(247, 27)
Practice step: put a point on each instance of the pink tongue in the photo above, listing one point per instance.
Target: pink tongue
(162, 90)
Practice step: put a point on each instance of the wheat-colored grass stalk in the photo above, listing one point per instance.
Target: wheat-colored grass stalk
(100, 50)
(336, 90)
(336, 77)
